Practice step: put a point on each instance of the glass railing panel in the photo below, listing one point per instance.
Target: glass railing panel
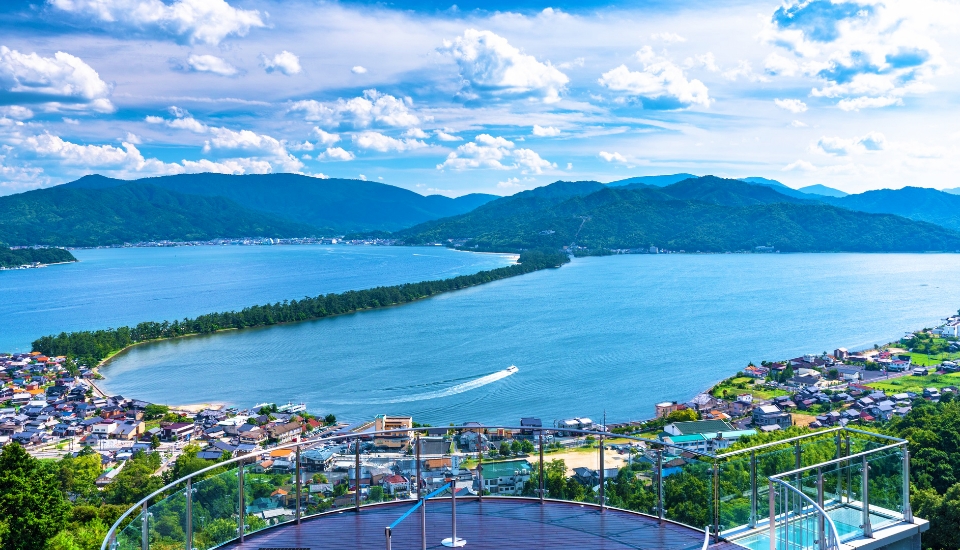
(269, 494)
(885, 484)
(688, 490)
(735, 492)
(131, 536)
(167, 521)
(215, 509)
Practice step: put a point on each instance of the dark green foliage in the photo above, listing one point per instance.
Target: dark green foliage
(26, 256)
(916, 203)
(93, 346)
(65, 216)
(339, 204)
(707, 214)
(31, 503)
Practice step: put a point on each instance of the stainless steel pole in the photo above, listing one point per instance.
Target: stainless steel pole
(603, 499)
(242, 505)
(753, 490)
(299, 486)
(417, 454)
(356, 471)
(907, 509)
(453, 511)
(821, 525)
(837, 469)
(189, 529)
(659, 486)
(849, 469)
(423, 524)
(773, 516)
(145, 527)
(541, 467)
(387, 529)
(865, 497)
(479, 467)
(716, 502)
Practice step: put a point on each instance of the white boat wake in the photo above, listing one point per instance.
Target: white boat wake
(445, 392)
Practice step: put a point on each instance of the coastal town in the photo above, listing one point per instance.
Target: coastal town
(53, 408)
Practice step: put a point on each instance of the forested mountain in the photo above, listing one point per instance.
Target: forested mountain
(652, 181)
(823, 190)
(71, 216)
(916, 203)
(341, 204)
(690, 215)
(26, 256)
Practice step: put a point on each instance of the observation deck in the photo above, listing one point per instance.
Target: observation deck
(835, 489)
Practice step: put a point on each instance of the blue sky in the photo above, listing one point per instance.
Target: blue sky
(481, 96)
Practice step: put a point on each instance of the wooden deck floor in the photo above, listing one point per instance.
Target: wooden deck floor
(495, 524)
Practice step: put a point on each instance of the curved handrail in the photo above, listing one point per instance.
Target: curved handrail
(370, 434)
(834, 535)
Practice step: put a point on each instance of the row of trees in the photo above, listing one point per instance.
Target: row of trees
(92, 347)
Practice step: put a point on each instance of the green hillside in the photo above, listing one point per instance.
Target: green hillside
(66, 216)
(27, 256)
(617, 218)
(916, 203)
(341, 204)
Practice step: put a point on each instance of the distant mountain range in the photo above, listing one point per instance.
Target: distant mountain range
(706, 214)
(72, 216)
(338, 204)
(97, 210)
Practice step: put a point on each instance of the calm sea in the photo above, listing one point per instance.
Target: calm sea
(607, 335)
(115, 287)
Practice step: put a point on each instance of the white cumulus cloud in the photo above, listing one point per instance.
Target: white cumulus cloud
(445, 136)
(61, 82)
(371, 109)
(326, 138)
(336, 153)
(189, 21)
(799, 166)
(660, 84)
(545, 131)
(613, 157)
(497, 153)
(873, 141)
(667, 37)
(383, 143)
(792, 105)
(284, 62)
(359, 69)
(490, 65)
(211, 64)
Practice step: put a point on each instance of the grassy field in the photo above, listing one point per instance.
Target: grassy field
(924, 360)
(916, 384)
(743, 384)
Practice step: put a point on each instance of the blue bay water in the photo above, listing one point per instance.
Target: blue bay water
(115, 287)
(607, 335)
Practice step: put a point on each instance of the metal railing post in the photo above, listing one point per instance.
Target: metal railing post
(798, 506)
(145, 527)
(716, 501)
(849, 469)
(821, 526)
(754, 495)
(356, 470)
(387, 533)
(423, 523)
(453, 511)
(541, 467)
(659, 486)
(839, 492)
(189, 529)
(907, 509)
(865, 498)
(773, 516)
(479, 467)
(299, 486)
(242, 505)
(417, 451)
(602, 495)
